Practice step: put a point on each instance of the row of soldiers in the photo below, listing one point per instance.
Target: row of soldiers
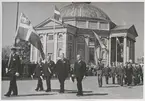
(131, 73)
(47, 68)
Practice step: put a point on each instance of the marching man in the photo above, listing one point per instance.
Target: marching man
(12, 71)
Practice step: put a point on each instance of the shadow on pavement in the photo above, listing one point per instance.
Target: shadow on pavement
(110, 86)
(32, 95)
(93, 94)
(70, 91)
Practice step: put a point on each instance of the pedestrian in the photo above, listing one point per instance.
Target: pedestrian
(129, 73)
(62, 70)
(79, 72)
(106, 73)
(99, 72)
(12, 71)
(48, 69)
(140, 69)
(38, 72)
(135, 74)
(117, 74)
(125, 70)
(113, 72)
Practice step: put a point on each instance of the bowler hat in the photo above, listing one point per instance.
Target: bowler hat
(13, 48)
(100, 59)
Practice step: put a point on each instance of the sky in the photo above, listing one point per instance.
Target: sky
(120, 13)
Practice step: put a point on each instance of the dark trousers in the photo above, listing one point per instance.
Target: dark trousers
(129, 79)
(48, 82)
(118, 79)
(121, 77)
(125, 80)
(13, 86)
(113, 79)
(79, 84)
(100, 80)
(61, 81)
(39, 84)
(106, 78)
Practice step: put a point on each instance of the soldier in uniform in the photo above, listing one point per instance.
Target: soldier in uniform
(135, 74)
(129, 73)
(62, 70)
(121, 72)
(113, 72)
(48, 69)
(38, 72)
(79, 72)
(12, 71)
(125, 70)
(106, 73)
(99, 72)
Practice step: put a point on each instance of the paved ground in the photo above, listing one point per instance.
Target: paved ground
(90, 87)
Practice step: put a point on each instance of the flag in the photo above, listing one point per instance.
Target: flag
(56, 13)
(99, 40)
(25, 31)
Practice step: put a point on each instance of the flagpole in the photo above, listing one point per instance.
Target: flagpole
(16, 21)
(54, 35)
(116, 51)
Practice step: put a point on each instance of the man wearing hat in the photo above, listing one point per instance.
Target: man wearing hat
(12, 71)
(99, 72)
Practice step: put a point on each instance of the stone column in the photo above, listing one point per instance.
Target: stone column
(98, 25)
(86, 49)
(31, 53)
(65, 44)
(124, 50)
(109, 51)
(107, 57)
(128, 48)
(133, 53)
(45, 45)
(55, 47)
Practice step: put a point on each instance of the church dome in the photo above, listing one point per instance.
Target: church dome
(83, 10)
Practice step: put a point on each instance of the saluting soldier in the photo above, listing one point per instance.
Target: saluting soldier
(113, 72)
(100, 72)
(106, 73)
(38, 72)
(79, 72)
(62, 70)
(12, 71)
(48, 69)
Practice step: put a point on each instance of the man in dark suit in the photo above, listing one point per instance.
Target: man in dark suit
(113, 73)
(48, 69)
(79, 72)
(12, 71)
(38, 72)
(129, 74)
(62, 70)
(121, 73)
(106, 73)
(100, 72)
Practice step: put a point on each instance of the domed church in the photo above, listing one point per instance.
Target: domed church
(74, 35)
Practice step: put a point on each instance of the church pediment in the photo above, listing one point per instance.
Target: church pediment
(125, 28)
(49, 22)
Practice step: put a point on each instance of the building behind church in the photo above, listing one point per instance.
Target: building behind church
(74, 35)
